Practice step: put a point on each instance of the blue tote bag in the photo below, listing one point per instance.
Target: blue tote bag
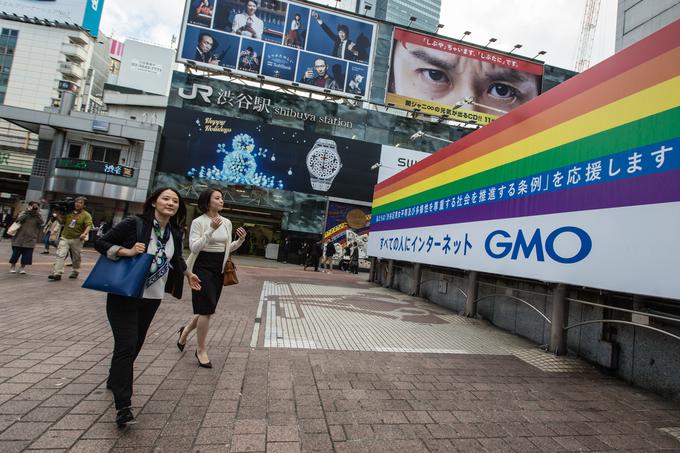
(124, 277)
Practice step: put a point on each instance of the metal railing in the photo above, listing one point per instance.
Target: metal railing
(513, 297)
(621, 321)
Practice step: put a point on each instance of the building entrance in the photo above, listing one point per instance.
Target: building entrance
(263, 226)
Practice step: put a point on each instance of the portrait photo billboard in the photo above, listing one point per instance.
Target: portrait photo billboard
(212, 147)
(289, 43)
(440, 77)
(84, 13)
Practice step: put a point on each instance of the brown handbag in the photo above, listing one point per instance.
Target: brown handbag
(230, 277)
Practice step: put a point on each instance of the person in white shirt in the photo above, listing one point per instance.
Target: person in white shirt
(294, 38)
(210, 244)
(248, 24)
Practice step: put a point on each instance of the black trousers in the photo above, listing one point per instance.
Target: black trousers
(313, 260)
(130, 319)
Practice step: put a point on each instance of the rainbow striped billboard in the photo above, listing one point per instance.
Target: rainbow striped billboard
(580, 185)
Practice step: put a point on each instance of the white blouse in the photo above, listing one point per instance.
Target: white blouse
(203, 238)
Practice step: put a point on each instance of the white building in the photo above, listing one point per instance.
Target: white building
(39, 61)
(53, 155)
(47, 59)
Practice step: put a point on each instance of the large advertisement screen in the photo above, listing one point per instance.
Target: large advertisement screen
(579, 186)
(219, 148)
(287, 42)
(85, 13)
(440, 77)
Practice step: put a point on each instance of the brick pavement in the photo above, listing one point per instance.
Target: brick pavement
(471, 388)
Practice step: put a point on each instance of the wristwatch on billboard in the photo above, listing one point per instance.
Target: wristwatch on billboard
(323, 163)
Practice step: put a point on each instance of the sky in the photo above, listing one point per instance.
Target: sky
(550, 25)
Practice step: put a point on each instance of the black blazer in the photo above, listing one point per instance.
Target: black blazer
(124, 234)
(347, 54)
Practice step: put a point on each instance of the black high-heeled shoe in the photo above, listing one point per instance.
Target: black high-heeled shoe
(180, 346)
(201, 364)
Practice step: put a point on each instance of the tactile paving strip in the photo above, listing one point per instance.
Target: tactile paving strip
(673, 431)
(298, 315)
(551, 363)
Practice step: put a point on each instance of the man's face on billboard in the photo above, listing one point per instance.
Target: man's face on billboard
(320, 67)
(441, 77)
(205, 44)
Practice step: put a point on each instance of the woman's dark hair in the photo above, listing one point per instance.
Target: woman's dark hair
(180, 216)
(204, 198)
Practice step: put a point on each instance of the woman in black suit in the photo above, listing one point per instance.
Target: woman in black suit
(161, 236)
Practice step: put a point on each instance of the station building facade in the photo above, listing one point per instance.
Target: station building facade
(290, 166)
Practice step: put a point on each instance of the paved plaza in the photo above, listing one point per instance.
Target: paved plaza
(304, 361)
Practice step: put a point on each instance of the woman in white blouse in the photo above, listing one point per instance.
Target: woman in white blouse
(210, 244)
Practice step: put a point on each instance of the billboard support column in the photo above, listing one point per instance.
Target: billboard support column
(471, 300)
(373, 271)
(390, 274)
(417, 274)
(560, 307)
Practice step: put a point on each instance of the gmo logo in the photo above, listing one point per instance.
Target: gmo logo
(499, 244)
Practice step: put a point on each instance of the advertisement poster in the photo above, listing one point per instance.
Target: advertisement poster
(345, 221)
(85, 13)
(439, 77)
(569, 192)
(219, 148)
(292, 42)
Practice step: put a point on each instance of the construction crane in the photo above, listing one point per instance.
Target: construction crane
(586, 38)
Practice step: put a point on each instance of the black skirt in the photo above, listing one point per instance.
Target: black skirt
(208, 267)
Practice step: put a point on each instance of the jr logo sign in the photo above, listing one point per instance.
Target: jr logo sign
(204, 91)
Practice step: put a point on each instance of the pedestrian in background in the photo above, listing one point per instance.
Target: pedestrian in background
(354, 259)
(210, 242)
(5, 222)
(329, 251)
(304, 253)
(285, 250)
(25, 239)
(346, 256)
(77, 225)
(130, 317)
(314, 256)
(51, 232)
